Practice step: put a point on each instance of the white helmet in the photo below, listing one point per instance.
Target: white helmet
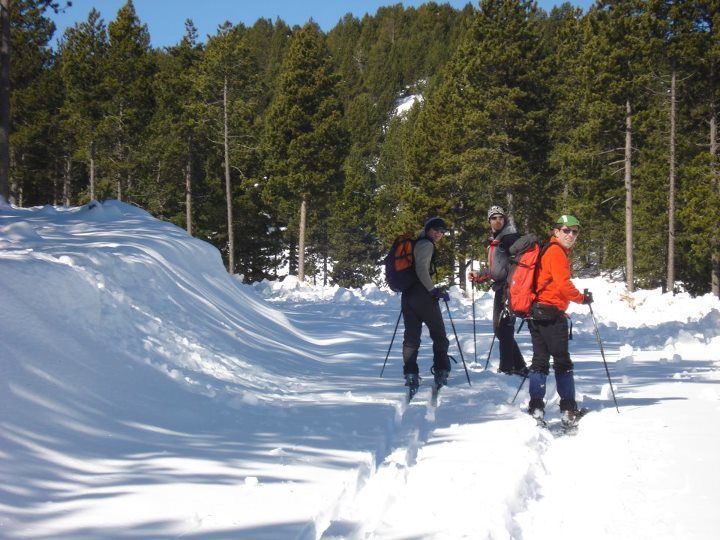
(495, 210)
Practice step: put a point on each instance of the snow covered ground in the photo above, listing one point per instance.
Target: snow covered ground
(147, 394)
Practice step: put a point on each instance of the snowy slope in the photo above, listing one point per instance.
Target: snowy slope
(147, 394)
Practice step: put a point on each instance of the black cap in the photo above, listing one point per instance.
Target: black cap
(436, 223)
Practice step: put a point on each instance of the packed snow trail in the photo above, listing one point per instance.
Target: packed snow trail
(147, 394)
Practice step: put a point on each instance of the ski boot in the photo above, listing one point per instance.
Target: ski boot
(441, 377)
(412, 381)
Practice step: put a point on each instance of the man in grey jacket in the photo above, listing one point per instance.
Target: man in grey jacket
(503, 235)
(420, 305)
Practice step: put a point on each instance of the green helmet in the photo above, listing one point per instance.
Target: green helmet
(567, 220)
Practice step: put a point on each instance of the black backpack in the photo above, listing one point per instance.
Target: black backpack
(400, 264)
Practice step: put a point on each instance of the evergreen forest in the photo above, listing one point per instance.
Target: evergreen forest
(286, 148)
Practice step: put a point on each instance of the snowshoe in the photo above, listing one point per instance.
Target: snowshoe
(539, 416)
(569, 420)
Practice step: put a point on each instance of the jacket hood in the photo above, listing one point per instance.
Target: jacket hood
(422, 235)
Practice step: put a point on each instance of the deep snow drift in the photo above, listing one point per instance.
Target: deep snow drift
(148, 394)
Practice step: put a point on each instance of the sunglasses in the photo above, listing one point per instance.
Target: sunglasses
(565, 230)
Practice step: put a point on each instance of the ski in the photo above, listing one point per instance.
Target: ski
(434, 395)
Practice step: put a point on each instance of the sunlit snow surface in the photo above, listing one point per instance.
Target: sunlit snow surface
(148, 394)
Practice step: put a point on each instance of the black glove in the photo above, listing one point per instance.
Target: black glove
(440, 292)
(588, 298)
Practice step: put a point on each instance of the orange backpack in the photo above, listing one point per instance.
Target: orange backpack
(400, 264)
(522, 288)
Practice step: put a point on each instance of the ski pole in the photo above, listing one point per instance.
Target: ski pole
(458, 342)
(602, 353)
(491, 347)
(519, 388)
(472, 288)
(391, 343)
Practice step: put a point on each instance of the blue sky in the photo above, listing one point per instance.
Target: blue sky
(166, 19)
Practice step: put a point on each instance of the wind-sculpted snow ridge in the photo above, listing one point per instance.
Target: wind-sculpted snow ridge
(160, 297)
(129, 355)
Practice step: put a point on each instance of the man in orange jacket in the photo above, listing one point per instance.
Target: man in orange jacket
(549, 325)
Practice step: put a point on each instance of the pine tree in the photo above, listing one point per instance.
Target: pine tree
(671, 27)
(27, 98)
(174, 143)
(304, 141)
(610, 77)
(83, 58)
(229, 84)
(26, 32)
(129, 75)
(267, 43)
(480, 138)
(353, 239)
(699, 258)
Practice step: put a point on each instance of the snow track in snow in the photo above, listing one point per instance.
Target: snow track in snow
(396, 495)
(357, 511)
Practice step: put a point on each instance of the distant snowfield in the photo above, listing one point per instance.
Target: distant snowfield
(148, 394)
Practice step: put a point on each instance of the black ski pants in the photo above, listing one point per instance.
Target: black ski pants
(419, 307)
(511, 359)
(550, 338)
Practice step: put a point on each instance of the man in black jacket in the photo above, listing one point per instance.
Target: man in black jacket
(420, 305)
(503, 235)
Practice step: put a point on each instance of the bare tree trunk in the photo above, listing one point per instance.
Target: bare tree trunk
(292, 258)
(66, 181)
(672, 194)
(12, 187)
(188, 190)
(462, 267)
(510, 210)
(118, 175)
(228, 187)
(715, 239)
(15, 188)
(325, 269)
(55, 181)
(301, 239)
(629, 252)
(5, 99)
(92, 170)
